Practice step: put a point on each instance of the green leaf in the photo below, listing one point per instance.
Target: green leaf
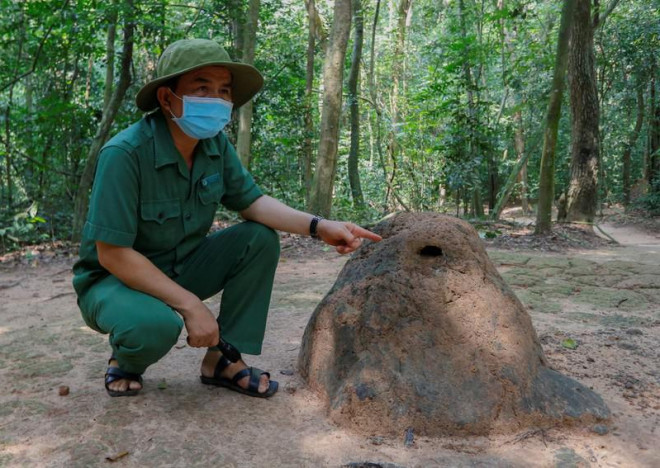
(162, 385)
(569, 343)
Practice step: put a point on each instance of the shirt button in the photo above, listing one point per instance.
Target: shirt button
(161, 215)
(188, 216)
(204, 183)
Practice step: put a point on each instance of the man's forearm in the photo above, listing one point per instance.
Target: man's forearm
(137, 272)
(276, 215)
(346, 237)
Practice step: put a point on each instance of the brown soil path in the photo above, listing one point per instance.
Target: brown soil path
(608, 301)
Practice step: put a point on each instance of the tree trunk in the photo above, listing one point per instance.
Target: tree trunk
(353, 80)
(547, 175)
(398, 59)
(244, 137)
(496, 212)
(653, 163)
(7, 117)
(110, 54)
(519, 144)
(632, 139)
(81, 201)
(333, 72)
(585, 146)
(508, 37)
(237, 17)
(309, 86)
(469, 84)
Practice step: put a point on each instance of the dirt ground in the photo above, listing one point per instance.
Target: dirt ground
(605, 300)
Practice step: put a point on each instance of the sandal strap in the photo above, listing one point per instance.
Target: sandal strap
(115, 373)
(255, 377)
(222, 364)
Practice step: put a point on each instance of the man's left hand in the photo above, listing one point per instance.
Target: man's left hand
(345, 237)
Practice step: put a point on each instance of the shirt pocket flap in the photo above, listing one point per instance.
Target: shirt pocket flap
(160, 211)
(211, 189)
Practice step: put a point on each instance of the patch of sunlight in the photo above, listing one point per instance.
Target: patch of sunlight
(4, 330)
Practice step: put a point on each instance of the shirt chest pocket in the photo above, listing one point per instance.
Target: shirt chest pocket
(161, 211)
(161, 224)
(211, 189)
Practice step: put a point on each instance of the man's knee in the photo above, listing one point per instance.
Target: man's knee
(149, 335)
(263, 237)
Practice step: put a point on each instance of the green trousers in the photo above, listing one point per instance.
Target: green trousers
(240, 261)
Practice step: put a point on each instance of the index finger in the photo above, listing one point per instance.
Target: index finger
(365, 234)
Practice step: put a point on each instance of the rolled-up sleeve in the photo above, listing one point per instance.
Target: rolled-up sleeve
(240, 189)
(113, 212)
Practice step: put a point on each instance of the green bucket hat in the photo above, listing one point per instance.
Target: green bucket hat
(187, 55)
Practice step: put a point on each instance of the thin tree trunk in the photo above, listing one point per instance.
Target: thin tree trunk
(519, 144)
(585, 148)
(309, 86)
(374, 100)
(110, 54)
(547, 175)
(632, 139)
(81, 202)
(244, 138)
(7, 117)
(469, 83)
(398, 57)
(496, 212)
(353, 81)
(333, 72)
(652, 166)
(508, 50)
(8, 150)
(237, 16)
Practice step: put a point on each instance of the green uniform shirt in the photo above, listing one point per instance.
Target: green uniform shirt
(145, 197)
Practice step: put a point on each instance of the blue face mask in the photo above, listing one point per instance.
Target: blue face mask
(203, 117)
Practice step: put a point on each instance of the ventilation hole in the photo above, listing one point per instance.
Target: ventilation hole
(431, 251)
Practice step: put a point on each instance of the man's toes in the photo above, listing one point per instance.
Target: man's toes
(264, 383)
(119, 385)
(123, 384)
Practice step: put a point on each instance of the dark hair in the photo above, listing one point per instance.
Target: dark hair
(172, 82)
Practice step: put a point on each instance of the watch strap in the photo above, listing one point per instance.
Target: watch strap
(313, 225)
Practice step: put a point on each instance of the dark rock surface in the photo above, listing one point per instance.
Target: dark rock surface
(420, 331)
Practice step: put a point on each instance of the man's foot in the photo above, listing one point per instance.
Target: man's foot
(120, 383)
(218, 370)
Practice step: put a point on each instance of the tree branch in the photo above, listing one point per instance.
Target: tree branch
(601, 19)
(36, 56)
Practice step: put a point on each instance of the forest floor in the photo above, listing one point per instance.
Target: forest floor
(603, 296)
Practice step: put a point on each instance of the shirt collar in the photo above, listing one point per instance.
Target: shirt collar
(164, 150)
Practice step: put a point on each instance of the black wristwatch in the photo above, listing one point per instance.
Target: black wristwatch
(313, 225)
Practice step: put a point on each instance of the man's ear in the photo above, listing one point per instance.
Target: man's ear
(164, 97)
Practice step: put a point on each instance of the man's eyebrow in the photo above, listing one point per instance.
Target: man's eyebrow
(201, 79)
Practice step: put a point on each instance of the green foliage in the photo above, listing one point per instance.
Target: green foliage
(650, 202)
(25, 227)
(466, 79)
